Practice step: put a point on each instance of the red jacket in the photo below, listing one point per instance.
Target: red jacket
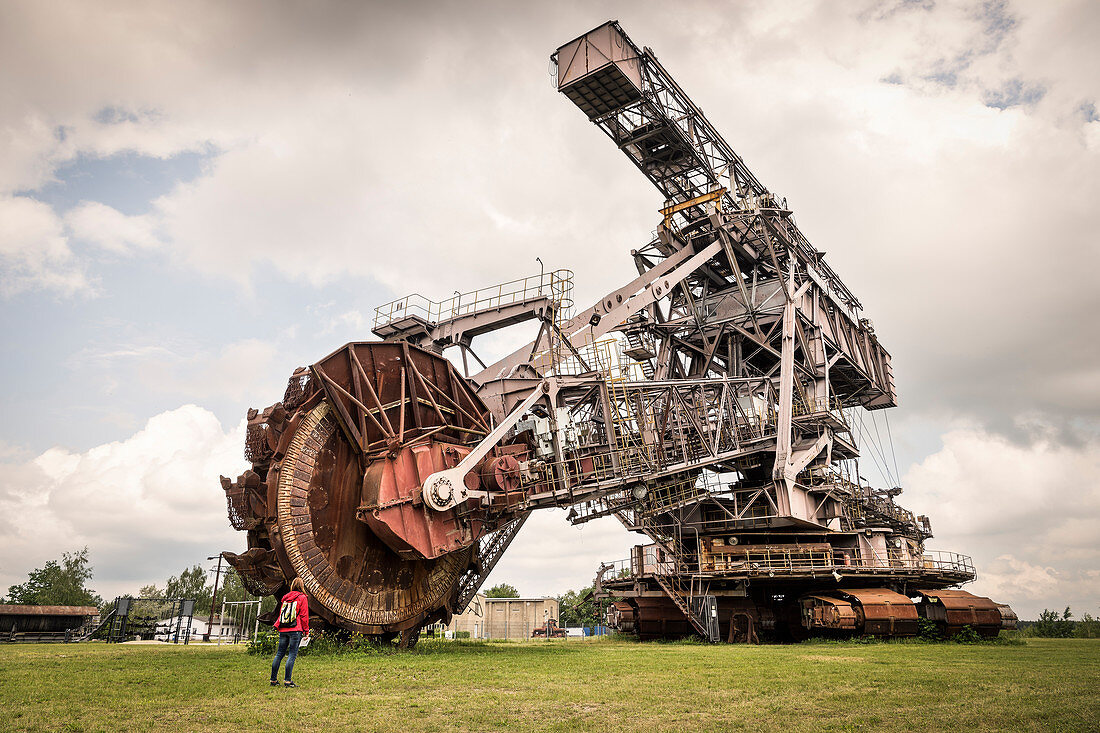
(302, 623)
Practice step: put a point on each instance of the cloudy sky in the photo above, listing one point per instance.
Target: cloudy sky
(196, 198)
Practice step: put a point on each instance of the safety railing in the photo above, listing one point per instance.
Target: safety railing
(556, 285)
(948, 561)
(570, 479)
(667, 496)
(774, 561)
(819, 406)
(757, 202)
(743, 560)
(619, 569)
(635, 455)
(604, 357)
(662, 497)
(738, 558)
(631, 568)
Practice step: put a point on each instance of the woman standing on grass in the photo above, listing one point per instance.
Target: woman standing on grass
(292, 622)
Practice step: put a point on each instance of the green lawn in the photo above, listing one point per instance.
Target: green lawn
(560, 685)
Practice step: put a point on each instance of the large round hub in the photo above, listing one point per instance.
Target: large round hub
(440, 493)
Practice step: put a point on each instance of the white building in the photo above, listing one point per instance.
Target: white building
(227, 631)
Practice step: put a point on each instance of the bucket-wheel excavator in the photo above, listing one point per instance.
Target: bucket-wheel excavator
(708, 404)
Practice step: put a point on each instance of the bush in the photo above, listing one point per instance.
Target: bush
(321, 643)
(442, 646)
(264, 643)
(683, 641)
(928, 630)
(867, 639)
(1007, 638)
(928, 635)
(361, 644)
(1087, 628)
(966, 635)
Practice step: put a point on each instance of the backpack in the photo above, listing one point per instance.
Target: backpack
(288, 614)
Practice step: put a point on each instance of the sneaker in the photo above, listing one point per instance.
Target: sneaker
(274, 683)
(289, 684)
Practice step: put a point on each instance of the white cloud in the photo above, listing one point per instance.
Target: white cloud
(236, 371)
(1028, 514)
(352, 323)
(34, 252)
(1009, 577)
(146, 507)
(109, 228)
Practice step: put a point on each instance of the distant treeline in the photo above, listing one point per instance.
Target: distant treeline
(64, 582)
(1055, 625)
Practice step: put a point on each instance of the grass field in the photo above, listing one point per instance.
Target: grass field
(560, 685)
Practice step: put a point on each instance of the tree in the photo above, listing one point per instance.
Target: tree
(580, 608)
(150, 591)
(1053, 625)
(58, 584)
(191, 583)
(502, 590)
(148, 609)
(232, 589)
(1087, 628)
(572, 610)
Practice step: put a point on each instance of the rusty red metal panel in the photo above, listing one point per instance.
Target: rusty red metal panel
(393, 508)
(885, 612)
(1009, 619)
(826, 612)
(955, 609)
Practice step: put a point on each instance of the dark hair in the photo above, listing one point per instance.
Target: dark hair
(298, 585)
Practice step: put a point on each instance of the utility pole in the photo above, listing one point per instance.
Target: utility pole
(213, 597)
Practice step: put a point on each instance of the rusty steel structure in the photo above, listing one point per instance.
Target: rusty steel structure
(709, 404)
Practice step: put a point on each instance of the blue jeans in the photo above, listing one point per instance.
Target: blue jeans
(288, 641)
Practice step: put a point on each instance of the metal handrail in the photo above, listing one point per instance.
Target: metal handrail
(556, 285)
(774, 561)
(819, 405)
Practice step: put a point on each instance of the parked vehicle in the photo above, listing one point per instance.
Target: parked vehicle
(555, 631)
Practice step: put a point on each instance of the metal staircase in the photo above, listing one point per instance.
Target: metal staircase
(701, 609)
(640, 349)
(490, 551)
